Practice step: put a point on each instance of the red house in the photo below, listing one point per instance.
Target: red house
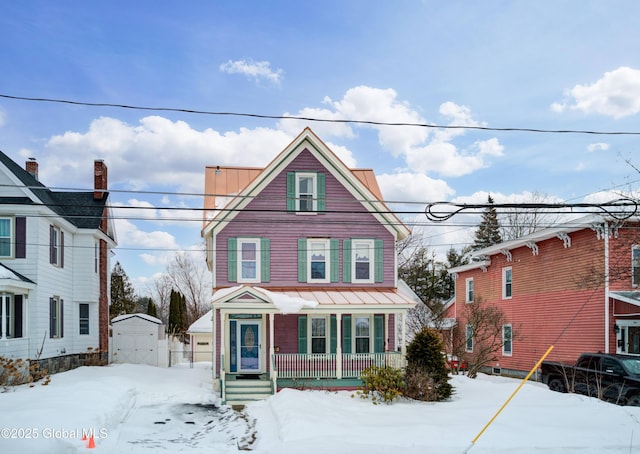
(573, 286)
(304, 268)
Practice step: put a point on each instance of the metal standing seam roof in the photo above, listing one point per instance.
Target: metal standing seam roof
(371, 297)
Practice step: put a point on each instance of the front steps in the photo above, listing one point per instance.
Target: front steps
(241, 392)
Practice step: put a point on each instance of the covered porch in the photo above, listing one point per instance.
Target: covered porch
(304, 339)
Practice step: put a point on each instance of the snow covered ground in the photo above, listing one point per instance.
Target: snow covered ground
(142, 409)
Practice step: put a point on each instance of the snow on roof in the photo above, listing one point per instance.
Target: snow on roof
(6, 273)
(287, 304)
(147, 317)
(203, 325)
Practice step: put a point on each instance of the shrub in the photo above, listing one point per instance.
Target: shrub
(427, 375)
(382, 384)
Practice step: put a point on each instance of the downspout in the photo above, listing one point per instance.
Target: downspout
(606, 287)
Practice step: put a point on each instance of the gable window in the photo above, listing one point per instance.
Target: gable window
(469, 338)
(319, 335)
(11, 316)
(5, 237)
(318, 259)
(83, 311)
(635, 266)
(306, 192)
(248, 259)
(507, 340)
(469, 290)
(56, 246)
(363, 334)
(506, 283)
(56, 317)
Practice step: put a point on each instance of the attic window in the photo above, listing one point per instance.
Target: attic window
(306, 192)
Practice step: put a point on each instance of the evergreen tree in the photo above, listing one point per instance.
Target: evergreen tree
(427, 374)
(152, 310)
(177, 313)
(488, 231)
(123, 297)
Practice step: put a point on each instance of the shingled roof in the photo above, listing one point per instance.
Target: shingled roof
(79, 208)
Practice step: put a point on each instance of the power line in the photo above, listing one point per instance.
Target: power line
(315, 119)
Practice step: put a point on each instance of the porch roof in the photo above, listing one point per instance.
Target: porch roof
(632, 297)
(321, 298)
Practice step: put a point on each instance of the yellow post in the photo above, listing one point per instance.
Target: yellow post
(524, 380)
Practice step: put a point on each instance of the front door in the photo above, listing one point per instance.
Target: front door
(249, 344)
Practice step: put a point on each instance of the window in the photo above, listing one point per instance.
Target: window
(5, 237)
(506, 283)
(362, 261)
(469, 336)
(318, 335)
(318, 259)
(363, 336)
(84, 318)
(96, 256)
(11, 316)
(306, 192)
(507, 339)
(56, 317)
(469, 289)
(635, 266)
(248, 259)
(56, 246)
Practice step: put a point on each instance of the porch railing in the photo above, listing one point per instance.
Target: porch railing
(299, 365)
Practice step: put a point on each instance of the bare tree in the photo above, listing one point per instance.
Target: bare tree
(160, 293)
(518, 222)
(486, 322)
(188, 274)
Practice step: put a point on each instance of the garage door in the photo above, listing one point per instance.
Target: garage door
(136, 348)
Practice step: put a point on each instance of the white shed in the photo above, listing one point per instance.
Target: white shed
(201, 338)
(138, 339)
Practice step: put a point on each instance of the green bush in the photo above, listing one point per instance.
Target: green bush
(382, 384)
(427, 375)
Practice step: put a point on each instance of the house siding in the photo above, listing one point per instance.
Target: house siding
(266, 216)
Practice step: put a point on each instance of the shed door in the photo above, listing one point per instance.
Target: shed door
(137, 348)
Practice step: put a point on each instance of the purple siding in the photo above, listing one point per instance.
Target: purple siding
(266, 216)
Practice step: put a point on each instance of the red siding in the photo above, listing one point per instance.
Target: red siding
(552, 304)
(266, 216)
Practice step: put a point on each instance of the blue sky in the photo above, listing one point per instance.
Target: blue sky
(504, 64)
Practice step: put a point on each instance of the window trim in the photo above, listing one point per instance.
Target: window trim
(371, 244)
(56, 246)
(635, 282)
(469, 289)
(258, 259)
(355, 336)
(327, 340)
(56, 317)
(314, 192)
(327, 261)
(507, 284)
(12, 235)
(468, 345)
(504, 341)
(86, 319)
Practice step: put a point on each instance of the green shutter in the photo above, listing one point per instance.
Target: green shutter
(302, 334)
(378, 253)
(334, 255)
(265, 259)
(291, 191)
(232, 259)
(346, 334)
(378, 333)
(346, 261)
(302, 260)
(333, 326)
(322, 198)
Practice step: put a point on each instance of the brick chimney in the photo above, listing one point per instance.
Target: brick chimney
(32, 167)
(99, 179)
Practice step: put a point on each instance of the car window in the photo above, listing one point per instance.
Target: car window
(610, 364)
(632, 365)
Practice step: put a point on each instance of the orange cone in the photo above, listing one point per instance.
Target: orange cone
(84, 437)
(92, 442)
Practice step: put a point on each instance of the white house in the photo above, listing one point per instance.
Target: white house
(54, 268)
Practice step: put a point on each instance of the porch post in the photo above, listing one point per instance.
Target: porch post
(271, 346)
(338, 346)
(214, 342)
(223, 320)
(3, 319)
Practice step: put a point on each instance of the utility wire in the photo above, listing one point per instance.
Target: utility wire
(314, 119)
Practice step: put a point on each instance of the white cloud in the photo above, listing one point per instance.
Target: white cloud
(597, 146)
(413, 187)
(256, 70)
(129, 235)
(616, 94)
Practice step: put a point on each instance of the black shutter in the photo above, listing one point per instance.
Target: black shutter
(52, 308)
(61, 334)
(61, 249)
(21, 237)
(51, 249)
(17, 310)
